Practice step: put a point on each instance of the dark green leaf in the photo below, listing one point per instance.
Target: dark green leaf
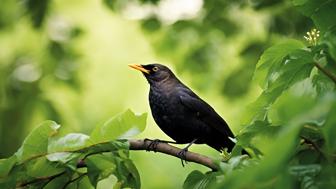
(330, 40)
(325, 15)
(99, 167)
(133, 177)
(321, 11)
(193, 179)
(271, 59)
(198, 180)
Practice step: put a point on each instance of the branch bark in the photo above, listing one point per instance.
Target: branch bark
(141, 144)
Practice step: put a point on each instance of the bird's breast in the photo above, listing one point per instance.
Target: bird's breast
(159, 103)
(165, 108)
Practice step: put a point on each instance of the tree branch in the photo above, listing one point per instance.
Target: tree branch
(141, 144)
(326, 72)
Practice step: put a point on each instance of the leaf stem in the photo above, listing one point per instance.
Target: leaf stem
(326, 72)
(314, 145)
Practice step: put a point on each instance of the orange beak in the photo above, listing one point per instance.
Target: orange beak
(139, 67)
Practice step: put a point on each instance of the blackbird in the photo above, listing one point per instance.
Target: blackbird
(181, 114)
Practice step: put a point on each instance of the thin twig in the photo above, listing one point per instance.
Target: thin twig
(326, 72)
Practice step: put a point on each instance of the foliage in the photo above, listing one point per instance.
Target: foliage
(294, 113)
(48, 160)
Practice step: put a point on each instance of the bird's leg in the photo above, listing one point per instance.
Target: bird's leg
(153, 144)
(183, 152)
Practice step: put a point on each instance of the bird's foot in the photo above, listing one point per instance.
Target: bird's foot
(152, 146)
(183, 156)
(225, 154)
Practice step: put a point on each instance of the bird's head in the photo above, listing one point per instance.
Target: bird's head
(154, 73)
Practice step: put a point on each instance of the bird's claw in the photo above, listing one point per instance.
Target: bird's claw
(183, 156)
(152, 146)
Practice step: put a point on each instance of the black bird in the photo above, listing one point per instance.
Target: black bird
(181, 114)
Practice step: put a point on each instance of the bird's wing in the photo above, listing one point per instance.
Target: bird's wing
(204, 111)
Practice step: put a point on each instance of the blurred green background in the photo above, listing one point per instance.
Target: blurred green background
(67, 61)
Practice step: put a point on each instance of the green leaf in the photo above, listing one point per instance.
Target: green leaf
(257, 133)
(36, 142)
(70, 142)
(133, 177)
(43, 168)
(124, 125)
(127, 174)
(322, 84)
(330, 40)
(295, 67)
(297, 99)
(99, 167)
(198, 180)
(271, 59)
(193, 179)
(59, 182)
(6, 165)
(63, 157)
(8, 182)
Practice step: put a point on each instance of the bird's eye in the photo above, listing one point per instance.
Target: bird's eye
(155, 69)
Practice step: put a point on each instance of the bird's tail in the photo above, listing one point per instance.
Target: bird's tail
(227, 144)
